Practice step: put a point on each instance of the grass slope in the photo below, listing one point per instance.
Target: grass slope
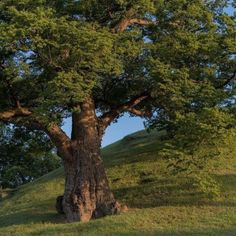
(159, 204)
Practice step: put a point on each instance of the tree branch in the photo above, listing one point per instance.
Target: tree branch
(124, 23)
(13, 94)
(14, 113)
(114, 113)
(56, 134)
(137, 112)
(61, 141)
(232, 78)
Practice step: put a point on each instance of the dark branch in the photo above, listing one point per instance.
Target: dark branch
(125, 23)
(141, 113)
(114, 113)
(61, 140)
(13, 94)
(56, 134)
(14, 113)
(228, 81)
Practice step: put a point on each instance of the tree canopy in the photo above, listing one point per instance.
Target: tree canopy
(56, 53)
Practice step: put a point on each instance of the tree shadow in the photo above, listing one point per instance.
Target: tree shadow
(43, 211)
(117, 229)
(28, 217)
(169, 193)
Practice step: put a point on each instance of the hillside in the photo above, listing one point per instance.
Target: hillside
(159, 204)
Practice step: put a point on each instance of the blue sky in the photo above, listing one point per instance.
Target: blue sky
(230, 10)
(125, 125)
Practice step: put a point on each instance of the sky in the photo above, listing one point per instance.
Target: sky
(125, 125)
(116, 131)
(230, 10)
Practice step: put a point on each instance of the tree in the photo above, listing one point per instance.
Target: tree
(25, 156)
(199, 140)
(94, 60)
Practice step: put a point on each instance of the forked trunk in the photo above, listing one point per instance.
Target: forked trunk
(87, 193)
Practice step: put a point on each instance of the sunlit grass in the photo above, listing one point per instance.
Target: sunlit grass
(159, 204)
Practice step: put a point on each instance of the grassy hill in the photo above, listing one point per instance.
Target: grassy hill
(159, 204)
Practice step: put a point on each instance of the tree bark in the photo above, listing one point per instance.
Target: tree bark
(87, 194)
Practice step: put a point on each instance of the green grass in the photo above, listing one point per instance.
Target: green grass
(159, 204)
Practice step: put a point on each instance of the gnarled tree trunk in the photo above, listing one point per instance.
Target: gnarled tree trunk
(87, 194)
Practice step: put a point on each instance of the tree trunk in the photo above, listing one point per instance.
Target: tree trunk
(87, 193)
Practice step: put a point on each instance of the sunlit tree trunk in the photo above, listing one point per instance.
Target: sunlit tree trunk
(87, 194)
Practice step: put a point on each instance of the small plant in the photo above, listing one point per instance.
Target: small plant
(207, 185)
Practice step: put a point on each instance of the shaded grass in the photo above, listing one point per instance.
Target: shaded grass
(160, 204)
(155, 221)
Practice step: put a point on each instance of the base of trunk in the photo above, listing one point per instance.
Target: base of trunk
(106, 209)
(100, 211)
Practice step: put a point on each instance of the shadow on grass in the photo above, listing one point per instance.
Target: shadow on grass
(171, 193)
(42, 211)
(146, 195)
(228, 180)
(28, 217)
(115, 229)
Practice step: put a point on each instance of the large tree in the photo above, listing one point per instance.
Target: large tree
(94, 60)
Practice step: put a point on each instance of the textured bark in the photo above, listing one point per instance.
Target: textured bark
(87, 193)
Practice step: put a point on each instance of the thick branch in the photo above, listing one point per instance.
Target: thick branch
(14, 113)
(61, 141)
(136, 112)
(125, 23)
(56, 134)
(114, 113)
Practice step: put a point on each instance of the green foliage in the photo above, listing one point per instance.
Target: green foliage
(191, 55)
(71, 56)
(112, 11)
(25, 156)
(197, 140)
(67, 50)
(207, 185)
